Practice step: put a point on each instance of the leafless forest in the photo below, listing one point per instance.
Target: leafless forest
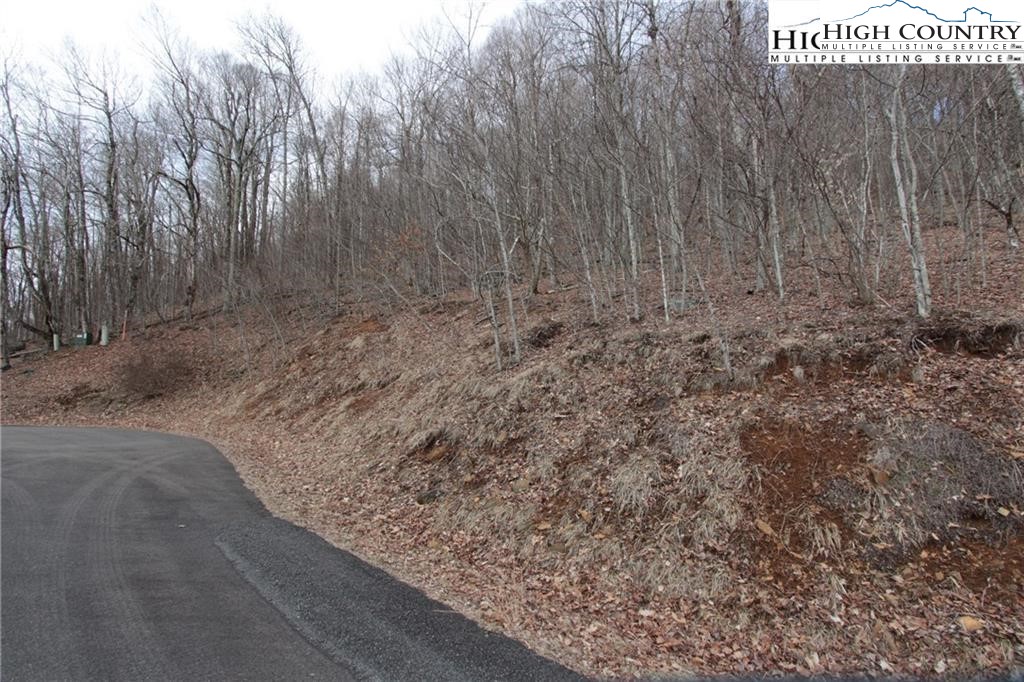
(593, 324)
(628, 148)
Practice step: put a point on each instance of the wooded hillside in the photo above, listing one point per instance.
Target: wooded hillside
(628, 148)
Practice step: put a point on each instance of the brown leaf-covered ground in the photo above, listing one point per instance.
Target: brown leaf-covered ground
(849, 501)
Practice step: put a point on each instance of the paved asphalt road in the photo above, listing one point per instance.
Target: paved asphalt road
(141, 556)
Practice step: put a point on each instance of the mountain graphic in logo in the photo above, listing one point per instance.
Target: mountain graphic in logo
(902, 10)
(971, 15)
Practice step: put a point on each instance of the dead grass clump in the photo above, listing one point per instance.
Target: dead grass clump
(823, 539)
(674, 573)
(498, 409)
(433, 445)
(146, 376)
(931, 482)
(524, 385)
(633, 484)
(589, 352)
(710, 479)
(487, 521)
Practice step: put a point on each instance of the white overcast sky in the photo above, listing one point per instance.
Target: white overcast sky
(342, 36)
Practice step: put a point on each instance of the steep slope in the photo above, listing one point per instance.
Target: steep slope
(849, 500)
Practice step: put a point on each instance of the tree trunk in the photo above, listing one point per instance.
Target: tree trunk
(906, 195)
(1016, 74)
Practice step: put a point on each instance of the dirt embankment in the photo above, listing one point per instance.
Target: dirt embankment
(848, 500)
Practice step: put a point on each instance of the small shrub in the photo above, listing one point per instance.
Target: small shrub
(542, 335)
(146, 376)
(939, 482)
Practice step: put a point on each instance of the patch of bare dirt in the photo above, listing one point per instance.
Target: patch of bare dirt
(995, 569)
(961, 334)
(796, 465)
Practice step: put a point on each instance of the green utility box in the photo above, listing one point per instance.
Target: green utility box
(82, 339)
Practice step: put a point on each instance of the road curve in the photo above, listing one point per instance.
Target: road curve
(141, 556)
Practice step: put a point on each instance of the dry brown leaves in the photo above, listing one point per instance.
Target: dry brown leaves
(345, 427)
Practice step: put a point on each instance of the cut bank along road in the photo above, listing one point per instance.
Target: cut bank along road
(141, 556)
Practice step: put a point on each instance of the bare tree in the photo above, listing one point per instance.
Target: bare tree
(626, 148)
(904, 170)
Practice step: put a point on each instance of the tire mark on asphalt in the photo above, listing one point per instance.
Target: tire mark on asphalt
(56, 562)
(20, 503)
(147, 658)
